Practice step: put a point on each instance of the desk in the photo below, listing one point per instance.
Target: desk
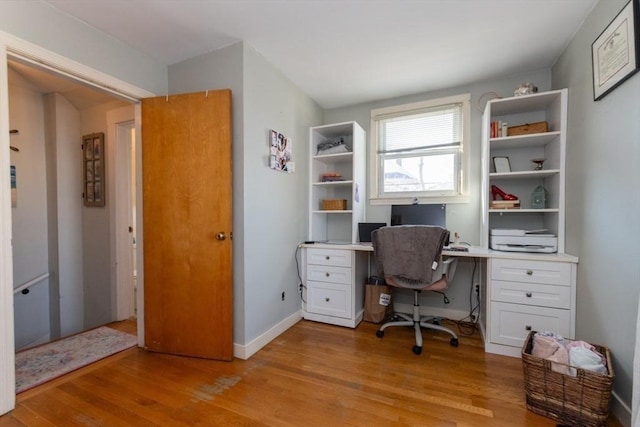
(519, 291)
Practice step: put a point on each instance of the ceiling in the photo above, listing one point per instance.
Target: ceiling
(81, 96)
(344, 52)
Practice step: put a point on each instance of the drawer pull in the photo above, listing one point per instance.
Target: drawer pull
(528, 327)
(327, 299)
(529, 273)
(327, 274)
(529, 294)
(327, 257)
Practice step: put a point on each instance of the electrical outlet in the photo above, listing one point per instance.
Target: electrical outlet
(282, 295)
(477, 288)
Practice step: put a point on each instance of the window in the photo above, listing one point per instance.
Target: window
(419, 152)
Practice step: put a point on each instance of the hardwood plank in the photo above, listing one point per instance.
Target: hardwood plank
(312, 375)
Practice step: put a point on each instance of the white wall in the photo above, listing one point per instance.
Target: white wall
(603, 200)
(64, 211)
(463, 218)
(98, 263)
(274, 202)
(40, 23)
(29, 224)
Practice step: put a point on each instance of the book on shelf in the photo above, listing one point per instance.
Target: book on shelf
(505, 204)
(498, 129)
(331, 177)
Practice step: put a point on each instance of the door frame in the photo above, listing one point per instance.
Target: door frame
(43, 58)
(120, 123)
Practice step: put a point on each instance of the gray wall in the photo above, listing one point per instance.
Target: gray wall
(269, 214)
(603, 200)
(29, 225)
(97, 235)
(65, 217)
(274, 202)
(463, 218)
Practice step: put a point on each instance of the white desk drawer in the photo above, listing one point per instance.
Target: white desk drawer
(335, 257)
(510, 323)
(550, 273)
(531, 294)
(326, 273)
(329, 299)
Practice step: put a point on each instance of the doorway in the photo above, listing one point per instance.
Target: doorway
(13, 47)
(75, 245)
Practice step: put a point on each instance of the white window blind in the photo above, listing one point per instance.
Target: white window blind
(419, 150)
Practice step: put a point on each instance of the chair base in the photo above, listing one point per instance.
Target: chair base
(418, 322)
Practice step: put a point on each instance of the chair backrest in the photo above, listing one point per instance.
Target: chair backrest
(410, 252)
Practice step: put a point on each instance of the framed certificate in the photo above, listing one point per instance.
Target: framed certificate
(615, 51)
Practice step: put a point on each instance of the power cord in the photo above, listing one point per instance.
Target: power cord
(301, 286)
(469, 324)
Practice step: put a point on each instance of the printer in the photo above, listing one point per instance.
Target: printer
(515, 240)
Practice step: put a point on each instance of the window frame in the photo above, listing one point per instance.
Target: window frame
(376, 197)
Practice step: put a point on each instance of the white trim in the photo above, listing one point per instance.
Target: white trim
(409, 198)
(246, 351)
(137, 112)
(444, 313)
(621, 410)
(44, 58)
(15, 47)
(7, 345)
(119, 125)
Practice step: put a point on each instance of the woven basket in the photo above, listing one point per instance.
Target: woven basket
(334, 204)
(582, 400)
(528, 128)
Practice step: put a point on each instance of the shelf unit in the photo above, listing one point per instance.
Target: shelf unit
(521, 150)
(337, 226)
(527, 291)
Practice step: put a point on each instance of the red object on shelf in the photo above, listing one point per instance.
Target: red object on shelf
(495, 191)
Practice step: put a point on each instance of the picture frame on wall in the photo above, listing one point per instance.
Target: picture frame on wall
(93, 170)
(615, 52)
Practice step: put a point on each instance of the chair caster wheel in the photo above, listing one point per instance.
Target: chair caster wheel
(454, 342)
(417, 350)
(379, 334)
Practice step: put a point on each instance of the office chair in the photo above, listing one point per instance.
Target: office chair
(410, 256)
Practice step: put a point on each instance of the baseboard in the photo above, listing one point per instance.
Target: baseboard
(43, 339)
(445, 313)
(246, 351)
(620, 410)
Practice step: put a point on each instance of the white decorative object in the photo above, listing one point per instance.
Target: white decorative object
(525, 89)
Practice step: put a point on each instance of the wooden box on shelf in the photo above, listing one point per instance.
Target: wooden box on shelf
(334, 204)
(528, 128)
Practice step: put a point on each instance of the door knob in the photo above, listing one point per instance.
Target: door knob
(221, 236)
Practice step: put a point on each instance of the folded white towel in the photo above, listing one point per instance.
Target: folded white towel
(582, 357)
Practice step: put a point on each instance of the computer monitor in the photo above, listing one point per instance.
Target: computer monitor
(419, 215)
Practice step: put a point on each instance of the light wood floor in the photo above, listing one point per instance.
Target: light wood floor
(312, 375)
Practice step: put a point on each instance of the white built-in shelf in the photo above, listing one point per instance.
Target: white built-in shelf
(521, 211)
(525, 174)
(334, 183)
(327, 211)
(531, 140)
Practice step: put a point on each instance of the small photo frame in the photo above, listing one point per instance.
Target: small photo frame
(615, 53)
(93, 169)
(501, 164)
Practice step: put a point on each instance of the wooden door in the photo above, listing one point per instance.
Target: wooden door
(186, 160)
